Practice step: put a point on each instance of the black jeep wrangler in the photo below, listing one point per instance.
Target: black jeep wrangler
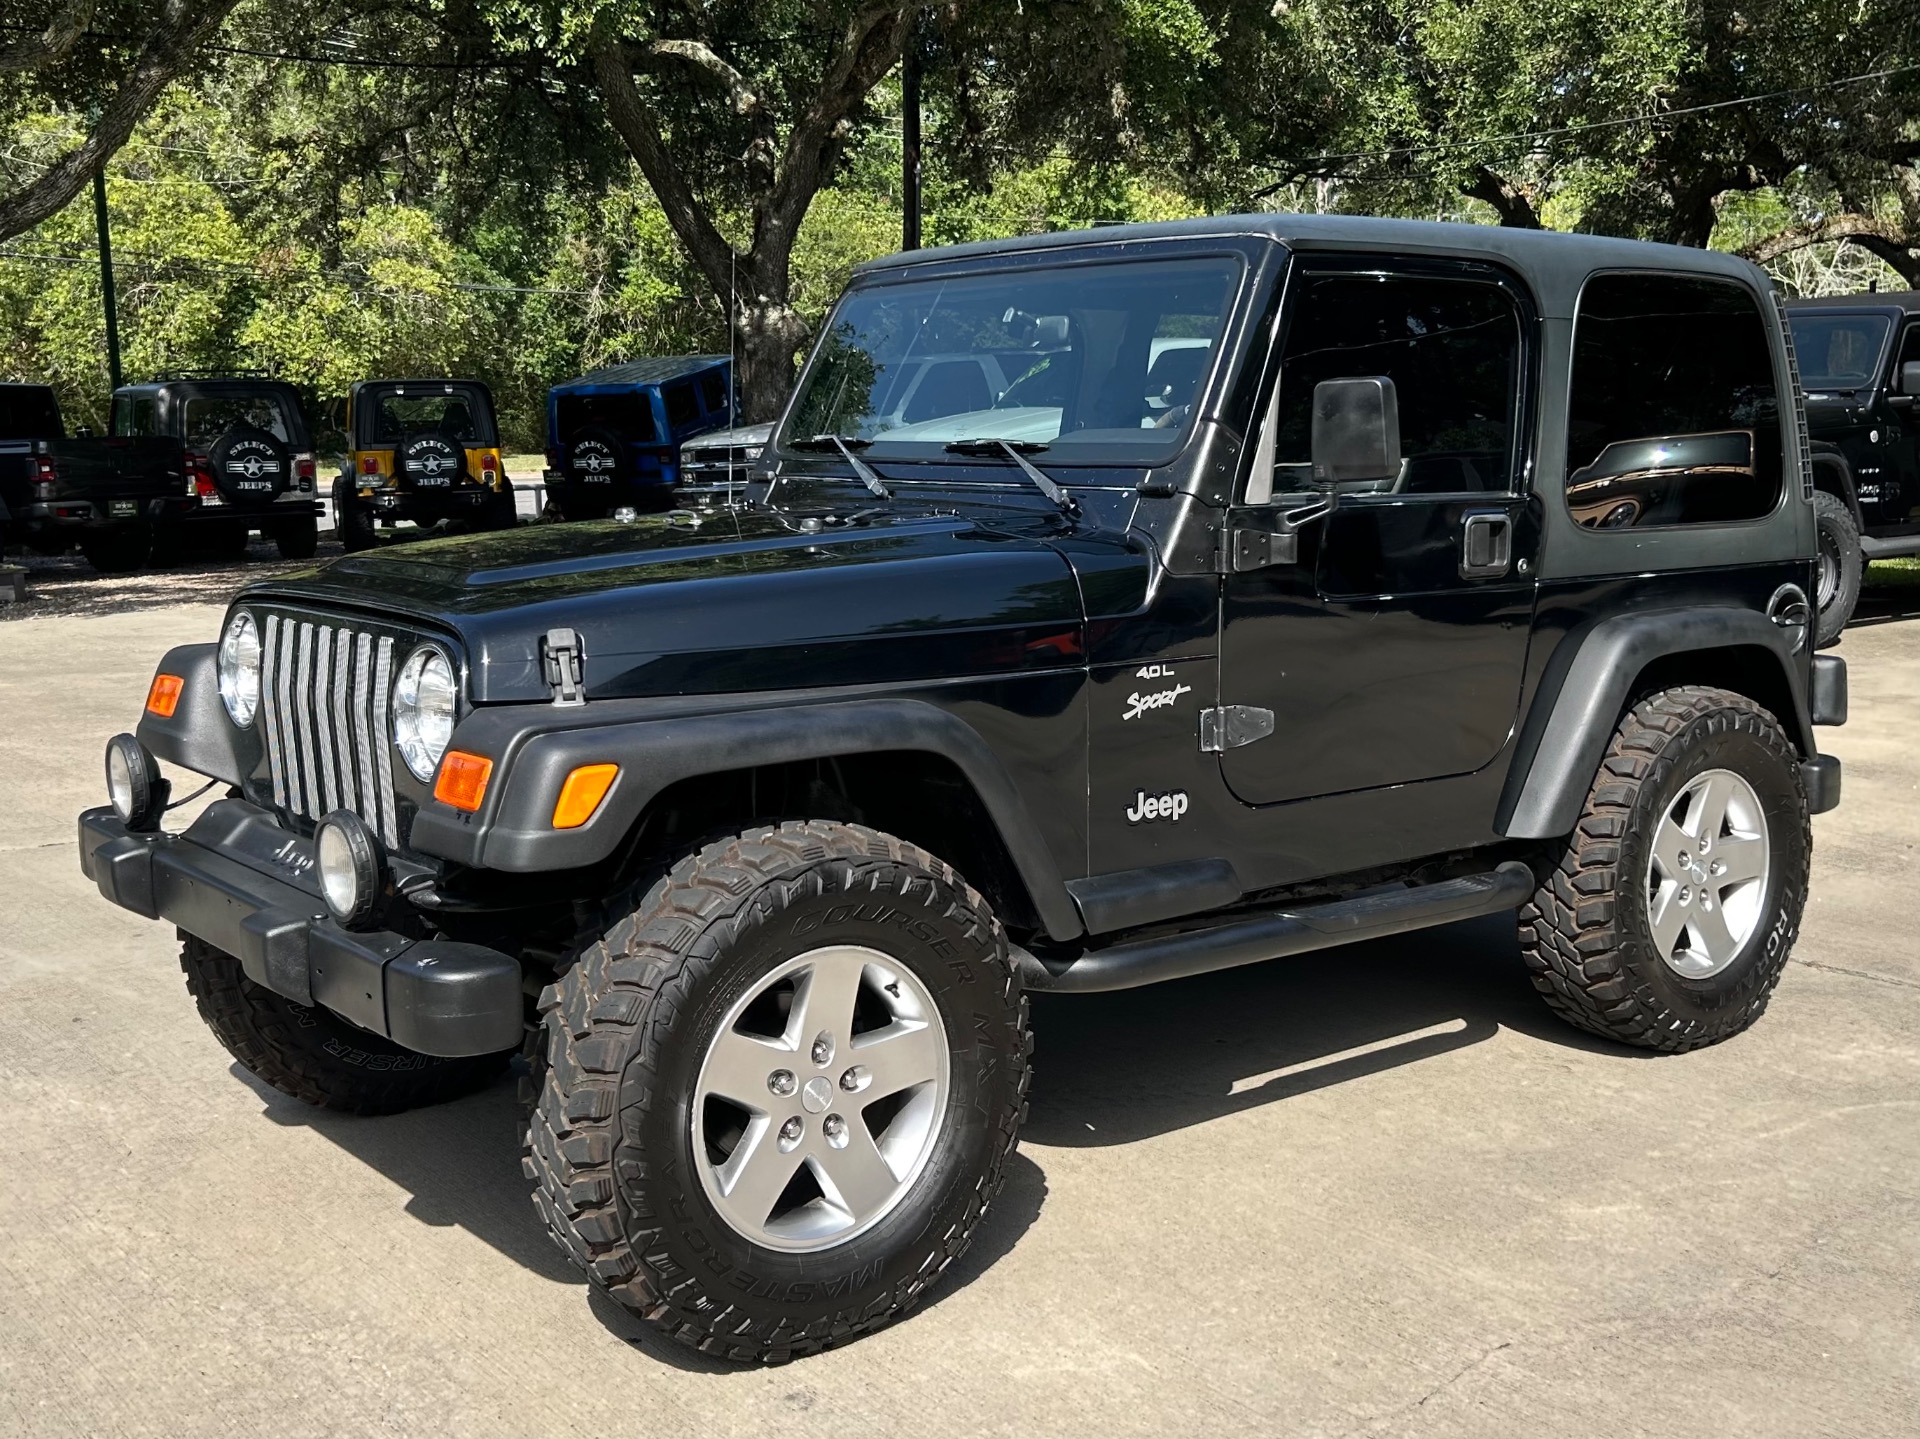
(1860, 362)
(1455, 571)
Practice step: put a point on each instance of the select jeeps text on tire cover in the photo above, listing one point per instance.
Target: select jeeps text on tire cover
(193, 463)
(1860, 363)
(1307, 580)
(425, 452)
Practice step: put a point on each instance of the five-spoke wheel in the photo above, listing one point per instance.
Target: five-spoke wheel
(820, 1098)
(1707, 874)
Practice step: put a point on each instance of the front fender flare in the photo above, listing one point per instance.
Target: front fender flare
(535, 747)
(1571, 722)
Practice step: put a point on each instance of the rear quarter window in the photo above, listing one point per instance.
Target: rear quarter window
(682, 407)
(713, 392)
(1673, 414)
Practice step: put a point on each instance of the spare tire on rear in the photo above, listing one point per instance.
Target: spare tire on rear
(597, 455)
(250, 466)
(428, 462)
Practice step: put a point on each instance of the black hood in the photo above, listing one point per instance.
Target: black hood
(742, 601)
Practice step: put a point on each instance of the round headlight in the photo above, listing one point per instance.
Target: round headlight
(423, 710)
(134, 786)
(240, 668)
(348, 860)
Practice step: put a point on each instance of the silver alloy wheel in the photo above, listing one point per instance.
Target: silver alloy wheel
(807, 1132)
(1707, 876)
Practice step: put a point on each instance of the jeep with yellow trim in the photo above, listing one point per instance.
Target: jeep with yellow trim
(425, 452)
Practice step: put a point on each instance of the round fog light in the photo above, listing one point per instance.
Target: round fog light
(134, 786)
(348, 858)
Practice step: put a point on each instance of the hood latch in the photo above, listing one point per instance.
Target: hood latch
(563, 660)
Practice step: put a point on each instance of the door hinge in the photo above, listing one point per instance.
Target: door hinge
(1230, 726)
(1244, 550)
(563, 661)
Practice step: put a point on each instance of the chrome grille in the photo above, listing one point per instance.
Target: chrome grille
(326, 696)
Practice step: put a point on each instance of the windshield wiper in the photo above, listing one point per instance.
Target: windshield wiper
(1017, 451)
(846, 445)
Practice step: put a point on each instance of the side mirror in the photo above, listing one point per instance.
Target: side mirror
(85, 432)
(1356, 434)
(1909, 378)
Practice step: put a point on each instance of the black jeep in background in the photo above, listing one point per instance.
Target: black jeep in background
(191, 464)
(1860, 365)
(1443, 571)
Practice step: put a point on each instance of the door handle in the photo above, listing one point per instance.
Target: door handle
(1486, 544)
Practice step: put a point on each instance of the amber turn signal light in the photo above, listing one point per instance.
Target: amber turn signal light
(581, 794)
(463, 780)
(164, 698)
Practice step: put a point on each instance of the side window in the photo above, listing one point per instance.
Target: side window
(1672, 416)
(713, 392)
(133, 415)
(1453, 351)
(1909, 353)
(682, 407)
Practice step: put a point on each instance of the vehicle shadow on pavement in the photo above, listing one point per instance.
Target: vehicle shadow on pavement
(1116, 1068)
(460, 1163)
(1886, 600)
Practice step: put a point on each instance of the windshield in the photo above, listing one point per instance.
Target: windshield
(454, 412)
(1102, 363)
(1838, 352)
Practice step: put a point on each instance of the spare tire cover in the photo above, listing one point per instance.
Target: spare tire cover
(594, 455)
(423, 462)
(249, 465)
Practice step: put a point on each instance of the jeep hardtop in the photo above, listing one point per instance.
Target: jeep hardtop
(1447, 572)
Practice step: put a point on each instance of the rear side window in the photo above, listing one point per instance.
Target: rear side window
(713, 392)
(135, 415)
(1673, 417)
(682, 408)
(629, 413)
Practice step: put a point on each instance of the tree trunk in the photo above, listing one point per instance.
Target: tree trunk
(769, 335)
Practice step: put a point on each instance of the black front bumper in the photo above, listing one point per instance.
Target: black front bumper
(433, 996)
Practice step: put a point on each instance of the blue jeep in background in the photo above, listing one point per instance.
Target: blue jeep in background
(613, 435)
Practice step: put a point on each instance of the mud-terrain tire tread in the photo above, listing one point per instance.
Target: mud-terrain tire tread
(619, 994)
(1570, 937)
(284, 1044)
(1831, 515)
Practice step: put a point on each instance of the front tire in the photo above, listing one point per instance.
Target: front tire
(1669, 917)
(314, 1055)
(763, 1216)
(1840, 565)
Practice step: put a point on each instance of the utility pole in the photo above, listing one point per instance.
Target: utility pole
(910, 137)
(106, 275)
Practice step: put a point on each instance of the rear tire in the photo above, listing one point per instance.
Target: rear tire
(1841, 563)
(314, 1055)
(120, 550)
(1606, 947)
(297, 540)
(352, 520)
(775, 930)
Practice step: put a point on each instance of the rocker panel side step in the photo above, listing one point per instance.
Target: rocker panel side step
(1282, 932)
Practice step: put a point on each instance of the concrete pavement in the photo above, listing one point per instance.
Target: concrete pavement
(1371, 1192)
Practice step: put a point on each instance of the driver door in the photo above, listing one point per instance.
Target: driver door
(1391, 648)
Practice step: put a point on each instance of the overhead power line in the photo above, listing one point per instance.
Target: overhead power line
(1437, 147)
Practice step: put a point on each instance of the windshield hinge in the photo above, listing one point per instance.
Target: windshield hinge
(563, 661)
(1230, 726)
